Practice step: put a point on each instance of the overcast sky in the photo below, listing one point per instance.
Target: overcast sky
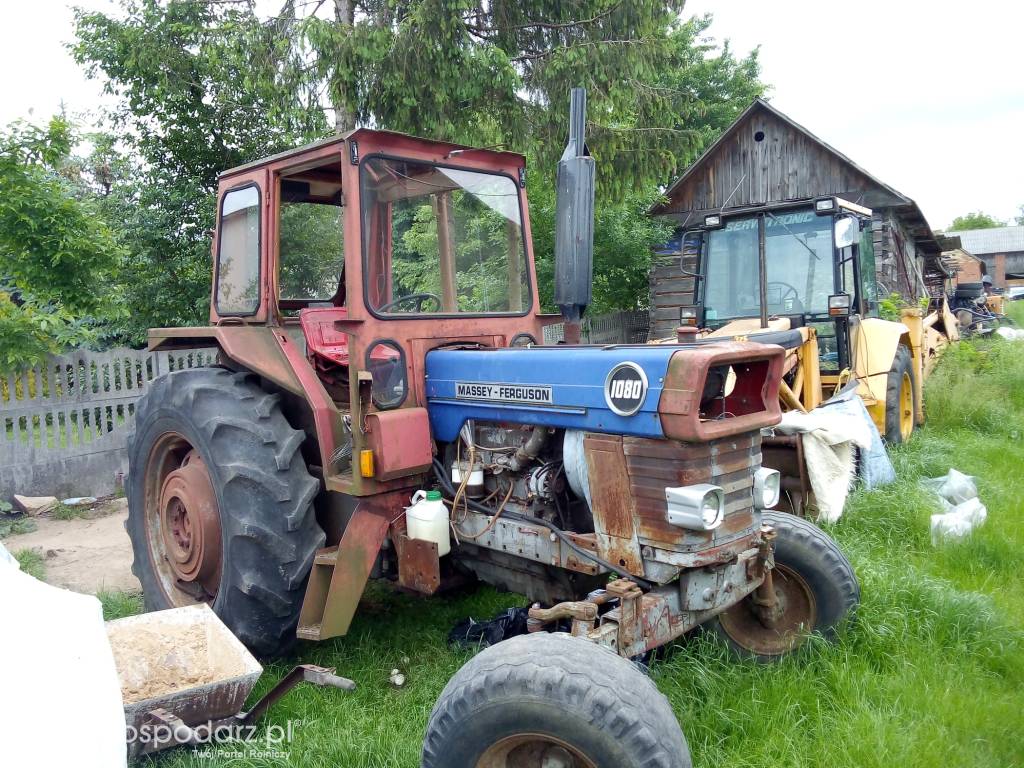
(928, 96)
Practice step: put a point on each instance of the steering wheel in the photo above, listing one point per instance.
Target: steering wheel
(788, 290)
(419, 298)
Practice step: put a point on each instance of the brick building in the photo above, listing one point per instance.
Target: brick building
(1001, 249)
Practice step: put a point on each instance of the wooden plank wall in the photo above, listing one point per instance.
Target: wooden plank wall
(670, 290)
(787, 164)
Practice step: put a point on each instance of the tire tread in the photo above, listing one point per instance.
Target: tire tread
(575, 674)
(266, 495)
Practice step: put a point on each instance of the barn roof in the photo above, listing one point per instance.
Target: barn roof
(759, 104)
(907, 209)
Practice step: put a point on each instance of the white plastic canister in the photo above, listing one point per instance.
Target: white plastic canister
(427, 520)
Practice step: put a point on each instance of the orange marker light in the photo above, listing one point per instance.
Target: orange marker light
(366, 463)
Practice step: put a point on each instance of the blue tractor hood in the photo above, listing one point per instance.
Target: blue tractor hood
(558, 386)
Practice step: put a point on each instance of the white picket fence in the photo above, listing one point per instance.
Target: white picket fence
(613, 328)
(65, 423)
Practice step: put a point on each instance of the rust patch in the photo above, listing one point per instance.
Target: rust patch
(419, 567)
(340, 573)
(753, 403)
(653, 465)
(612, 505)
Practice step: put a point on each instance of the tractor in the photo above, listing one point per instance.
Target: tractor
(801, 275)
(378, 332)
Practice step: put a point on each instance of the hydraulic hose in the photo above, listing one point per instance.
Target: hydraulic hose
(445, 484)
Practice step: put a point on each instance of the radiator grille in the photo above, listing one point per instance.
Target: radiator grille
(653, 465)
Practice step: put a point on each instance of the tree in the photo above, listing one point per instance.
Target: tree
(976, 220)
(499, 72)
(195, 81)
(1020, 218)
(57, 253)
(624, 236)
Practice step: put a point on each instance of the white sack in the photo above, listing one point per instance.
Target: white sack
(955, 487)
(962, 509)
(60, 704)
(959, 522)
(1011, 334)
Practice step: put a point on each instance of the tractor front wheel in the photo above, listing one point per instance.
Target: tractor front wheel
(220, 504)
(815, 590)
(552, 701)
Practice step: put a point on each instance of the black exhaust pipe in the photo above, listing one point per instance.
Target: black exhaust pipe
(574, 222)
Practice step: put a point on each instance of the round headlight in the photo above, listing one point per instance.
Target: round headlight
(712, 509)
(767, 487)
(710, 512)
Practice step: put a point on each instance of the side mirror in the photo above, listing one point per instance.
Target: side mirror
(574, 217)
(847, 231)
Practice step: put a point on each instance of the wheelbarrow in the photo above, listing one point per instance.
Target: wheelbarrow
(185, 677)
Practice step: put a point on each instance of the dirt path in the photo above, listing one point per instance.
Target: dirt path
(84, 555)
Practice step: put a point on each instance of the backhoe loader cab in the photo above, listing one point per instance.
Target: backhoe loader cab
(803, 275)
(808, 277)
(377, 322)
(817, 265)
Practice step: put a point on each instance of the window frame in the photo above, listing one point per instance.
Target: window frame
(759, 215)
(259, 250)
(290, 304)
(364, 244)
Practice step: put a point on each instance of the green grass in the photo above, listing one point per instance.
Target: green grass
(31, 562)
(117, 605)
(14, 526)
(931, 673)
(64, 512)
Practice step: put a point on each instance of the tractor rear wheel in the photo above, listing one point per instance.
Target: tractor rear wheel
(220, 504)
(552, 701)
(900, 398)
(815, 588)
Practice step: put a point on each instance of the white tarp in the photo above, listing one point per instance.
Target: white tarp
(830, 435)
(1011, 334)
(60, 700)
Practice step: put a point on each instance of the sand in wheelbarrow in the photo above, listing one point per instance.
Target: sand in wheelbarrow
(156, 660)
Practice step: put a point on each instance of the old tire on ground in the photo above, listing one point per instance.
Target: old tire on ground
(813, 580)
(900, 398)
(220, 504)
(552, 700)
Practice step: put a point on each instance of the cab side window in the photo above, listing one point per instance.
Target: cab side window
(238, 253)
(312, 250)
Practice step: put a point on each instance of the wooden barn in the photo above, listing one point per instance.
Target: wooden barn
(763, 159)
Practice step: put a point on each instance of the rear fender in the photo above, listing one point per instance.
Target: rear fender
(272, 354)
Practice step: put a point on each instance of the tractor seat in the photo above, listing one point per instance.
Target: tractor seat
(322, 338)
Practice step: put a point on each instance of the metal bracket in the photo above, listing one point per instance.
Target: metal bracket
(308, 673)
(180, 733)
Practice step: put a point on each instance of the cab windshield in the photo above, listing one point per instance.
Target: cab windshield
(799, 259)
(442, 240)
